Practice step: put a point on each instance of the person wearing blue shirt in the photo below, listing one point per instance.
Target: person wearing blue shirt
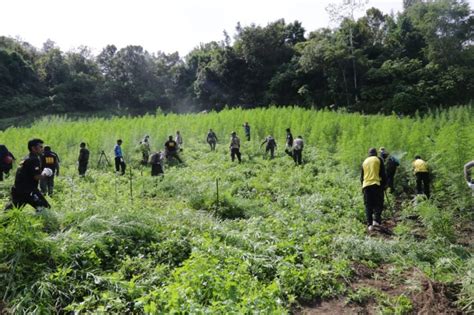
(119, 161)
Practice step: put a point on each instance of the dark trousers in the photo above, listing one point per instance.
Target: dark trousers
(34, 199)
(423, 183)
(391, 181)
(145, 156)
(173, 154)
(272, 151)
(1, 175)
(47, 185)
(120, 165)
(373, 201)
(247, 135)
(156, 169)
(298, 156)
(82, 168)
(212, 144)
(235, 152)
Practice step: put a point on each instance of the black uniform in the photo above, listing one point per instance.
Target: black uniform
(156, 166)
(49, 159)
(25, 191)
(83, 161)
(6, 161)
(172, 150)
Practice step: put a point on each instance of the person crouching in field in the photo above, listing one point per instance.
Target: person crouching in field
(25, 190)
(156, 162)
(373, 179)
(171, 149)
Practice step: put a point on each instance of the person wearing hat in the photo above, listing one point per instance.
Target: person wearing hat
(421, 171)
(373, 179)
(50, 160)
(28, 174)
(234, 147)
(391, 164)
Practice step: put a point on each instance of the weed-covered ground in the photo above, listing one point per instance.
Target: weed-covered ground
(275, 239)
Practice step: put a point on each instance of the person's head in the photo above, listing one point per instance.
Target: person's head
(372, 152)
(35, 146)
(300, 137)
(246, 123)
(119, 141)
(147, 136)
(170, 138)
(47, 148)
(177, 132)
(288, 130)
(82, 145)
(382, 149)
(210, 130)
(233, 134)
(384, 154)
(417, 157)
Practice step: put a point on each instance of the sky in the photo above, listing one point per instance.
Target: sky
(156, 25)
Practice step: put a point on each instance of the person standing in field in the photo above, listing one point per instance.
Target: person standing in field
(289, 142)
(25, 190)
(271, 145)
(391, 165)
(234, 147)
(298, 146)
(145, 149)
(247, 130)
(49, 159)
(179, 140)
(171, 150)
(156, 161)
(83, 159)
(212, 139)
(119, 161)
(373, 179)
(421, 171)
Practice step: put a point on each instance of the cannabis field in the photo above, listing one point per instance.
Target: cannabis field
(262, 236)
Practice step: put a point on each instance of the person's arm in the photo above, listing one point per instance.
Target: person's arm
(467, 171)
(362, 175)
(382, 174)
(263, 142)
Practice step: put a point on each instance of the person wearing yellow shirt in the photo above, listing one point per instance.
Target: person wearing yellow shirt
(373, 179)
(421, 170)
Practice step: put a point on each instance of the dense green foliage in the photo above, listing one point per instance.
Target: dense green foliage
(421, 58)
(279, 235)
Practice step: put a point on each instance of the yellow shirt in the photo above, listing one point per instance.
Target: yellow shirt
(371, 168)
(420, 166)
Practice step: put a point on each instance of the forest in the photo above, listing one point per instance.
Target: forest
(413, 61)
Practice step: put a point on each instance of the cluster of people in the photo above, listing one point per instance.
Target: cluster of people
(378, 174)
(42, 165)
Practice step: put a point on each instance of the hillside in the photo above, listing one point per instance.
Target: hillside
(275, 239)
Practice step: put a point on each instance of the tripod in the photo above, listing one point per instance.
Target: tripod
(103, 159)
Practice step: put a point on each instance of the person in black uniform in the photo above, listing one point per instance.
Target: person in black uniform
(49, 159)
(171, 149)
(25, 190)
(83, 159)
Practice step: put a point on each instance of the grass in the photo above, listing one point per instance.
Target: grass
(279, 236)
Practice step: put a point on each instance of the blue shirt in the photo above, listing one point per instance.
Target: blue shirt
(118, 151)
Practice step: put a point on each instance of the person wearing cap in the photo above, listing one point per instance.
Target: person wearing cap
(212, 139)
(298, 146)
(289, 142)
(373, 179)
(171, 149)
(119, 161)
(29, 173)
(234, 147)
(145, 149)
(83, 159)
(271, 145)
(50, 160)
(421, 171)
(391, 164)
